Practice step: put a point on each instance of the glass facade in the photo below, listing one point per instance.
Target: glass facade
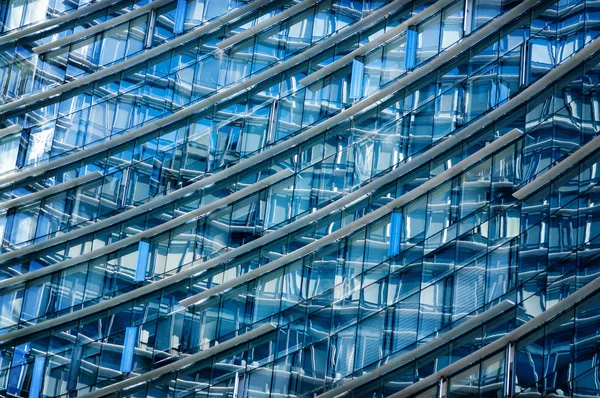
(299, 198)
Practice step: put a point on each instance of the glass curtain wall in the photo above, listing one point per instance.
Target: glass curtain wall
(164, 196)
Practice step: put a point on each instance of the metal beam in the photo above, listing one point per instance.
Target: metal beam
(253, 245)
(49, 191)
(243, 165)
(101, 27)
(267, 23)
(361, 222)
(50, 23)
(15, 128)
(176, 365)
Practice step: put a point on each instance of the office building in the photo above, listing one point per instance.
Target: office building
(299, 198)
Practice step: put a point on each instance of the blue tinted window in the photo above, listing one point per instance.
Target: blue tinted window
(142, 261)
(74, 368)
(19, 369)
(128, 348)
(395, 233)
(37, 377)
(180, 16)
(32, 302)
(411, 48)
(356, 82)
(22, 155)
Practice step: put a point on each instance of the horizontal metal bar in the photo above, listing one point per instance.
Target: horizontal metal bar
(149, 233)
(135, 60)
(559, 169)
(426, 348)
(379, 40)
(504, 341)
(49, 191)
(15, 128)
(445, 144)
(201, 105)
(355, 225)
(101, 27)
(50, 23)
(176, 365)
(267, 23)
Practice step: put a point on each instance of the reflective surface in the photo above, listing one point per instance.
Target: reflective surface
(209, 217)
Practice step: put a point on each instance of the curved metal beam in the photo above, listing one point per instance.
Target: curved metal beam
(101, 27)
(50, 23)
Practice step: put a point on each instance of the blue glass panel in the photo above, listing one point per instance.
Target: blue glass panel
(9, 150)
(128, 347)
(10, 217)
(395, 233)
(234, 136)
(180, 16)
(411, 48)
(22, 155)
(356, 83)
(534, 162)
(19, 369)
(212, 143)
(32, 302)
(74, 368)
(215, 8)
(376, 308)
(142, 261)
(493, 94)
(503, 92)
(37, 377)
(154, 177)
